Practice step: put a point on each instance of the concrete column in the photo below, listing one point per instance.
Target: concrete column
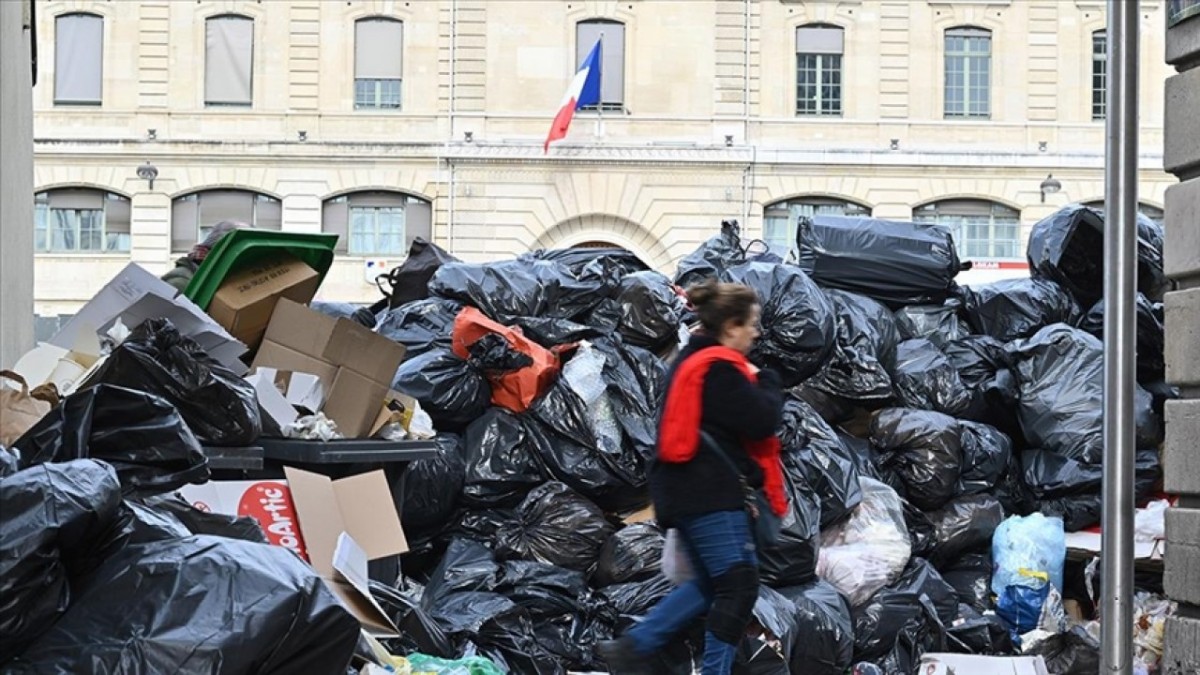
(1181, 458)
(150, 230)
(302, 213)
(16, 182)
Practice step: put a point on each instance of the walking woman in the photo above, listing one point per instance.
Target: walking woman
(715, 396)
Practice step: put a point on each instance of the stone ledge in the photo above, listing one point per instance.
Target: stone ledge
(1183, 44)
(1182, 640)
(1182, 335)
(1181, 255)
(1181, 454)
(1181, 575)
(1181, 151)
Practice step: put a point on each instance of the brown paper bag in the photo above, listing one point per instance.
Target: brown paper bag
(19, 411)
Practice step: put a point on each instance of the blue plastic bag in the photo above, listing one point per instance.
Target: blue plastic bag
(1028, 551)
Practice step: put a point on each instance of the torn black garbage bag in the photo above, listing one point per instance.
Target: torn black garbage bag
(966, 523)
(971, 576)
(826, 464)
(1060, 372)
(1151, 364)
(262, 610)
(937, 323)
(650, 311)
(219, 407)
(633, 553)
(905, 619)
(555, 525)
(452, 391)
(527, 287)
(428, 489)
(502, 460)
(141, 435)
(864, 351)
(923, 450)
(824, 629)
(410, 281)
(1017, 308)
(794, 562)
(421, 325)
(1068, 247)
(51, 513)
(925, 379)
(712, 258)
(896, 263)
(797, 321)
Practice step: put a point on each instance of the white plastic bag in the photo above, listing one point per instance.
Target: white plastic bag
(676, 565)
(584, 374)
(870, 549)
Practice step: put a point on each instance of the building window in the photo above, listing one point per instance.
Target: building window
(78, 59)
(612, 59)
(193, 215)
(229, 61)
(80, 220)
(1099, 74)
(378, 63)
(781, 219)
(377, 223)
(819, 70)
(981, 229)
(968, 72)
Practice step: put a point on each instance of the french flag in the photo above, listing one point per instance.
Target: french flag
(584, 91)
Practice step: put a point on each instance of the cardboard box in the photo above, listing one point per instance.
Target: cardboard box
(356, 365)
(246, 299)
(267, 501)
(965, 664)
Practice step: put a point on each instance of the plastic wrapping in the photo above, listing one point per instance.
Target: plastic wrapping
(1060, 372)
(1151, 362)
(556, 526)
(923, 450)
(410, 281)
(1018, 308)
(925, 379)
(633, 553)
(864, 352)
(421, 326)
(712, 258)
(939, 324)
(824, 642)
(905, 619)
(263, 610)
(651, 310)
(870, 549)
(827, 465)
(964, 524)
(141, 435)
(429, 488)
(502, 462)
(794, 561)
(219, 407)
(797, 320)
(896, 263)
(527, 287)
(971, 576)
(449, 389)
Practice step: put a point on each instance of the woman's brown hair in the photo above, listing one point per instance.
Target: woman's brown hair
(717, 303)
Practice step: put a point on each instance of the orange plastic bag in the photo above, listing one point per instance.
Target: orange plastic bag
(513, 390)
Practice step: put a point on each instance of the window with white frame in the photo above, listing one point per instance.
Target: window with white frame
(1099, 74)
(612, 59)
(968, 75)
(378, 63)
(819, 70)
(229, 60)
(982, 229)
(376, 222)
(78, 59)
(781, 219)
(80, 220)
(193, 215)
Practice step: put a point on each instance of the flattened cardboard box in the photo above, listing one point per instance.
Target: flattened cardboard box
(246, 299)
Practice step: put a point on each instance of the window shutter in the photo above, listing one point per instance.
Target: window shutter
(78, 58)
(612, 58)
(229, 55)
(378, 49)
(819, 40)
(418, 221)
(77, 199)
(184, 223)
(335, 218)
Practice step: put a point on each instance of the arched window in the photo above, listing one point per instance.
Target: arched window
(981, 229)
(192, 215)
(229, 60)
(781, 218)
(377, 223)
(378, 62)
(80, 220)
(612, 58)
(968, 74)
(819, 50)
(78, 59)
(1149, 210)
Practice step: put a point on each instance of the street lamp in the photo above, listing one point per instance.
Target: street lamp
(148, 172)
(1050, 186)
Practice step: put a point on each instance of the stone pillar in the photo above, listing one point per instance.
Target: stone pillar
(1181, 460)
(150, 230)
(16, 182)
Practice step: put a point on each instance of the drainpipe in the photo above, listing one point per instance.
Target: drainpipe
(746, 72)
(453, 100)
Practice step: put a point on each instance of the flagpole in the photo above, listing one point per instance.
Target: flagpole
(600, 103)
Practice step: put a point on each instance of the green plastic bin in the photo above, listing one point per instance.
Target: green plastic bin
(244, 247)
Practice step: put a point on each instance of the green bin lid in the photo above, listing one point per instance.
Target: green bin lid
(247, 246)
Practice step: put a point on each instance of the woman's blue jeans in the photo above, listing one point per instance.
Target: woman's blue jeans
(716, 542)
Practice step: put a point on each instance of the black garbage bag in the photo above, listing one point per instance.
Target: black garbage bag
(1151, 363)
(410, 281)
(427, 490)
(896, 263)
(262, 610)
(939, 324)
(971, 576)
(493, 355)
(551, 333)
(794, 562)
(864, 351)
(421, 326)
(418, 631)
(452, 391)
(979, 634)
(503, 464)
(196, 521)
(905, 619)
(555, 525)
(501, 630)
(797, 320)
(965, 523)
(1068, 247)
(527, 287)
(219, 407)
(985, 368)
(650, 311)
(51, 513)
(560, 604)
(1060, 372)
(8, 462)
(987, 455)
(712, 258)
(767, 646)
(344, 310)
(636, 382)
(925, 379)
(1074, 652)
(579, 259)
(1071, 489)
(635, 599)
(1017, 308)
(922, 450)
(633, 553)
(141, 435)
(479, 525)
(826, 464)
(921, 529)
(466, 566)
(832, 408)
(824, 642)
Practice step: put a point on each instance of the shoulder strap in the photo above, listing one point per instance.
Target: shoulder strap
(716, 447)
